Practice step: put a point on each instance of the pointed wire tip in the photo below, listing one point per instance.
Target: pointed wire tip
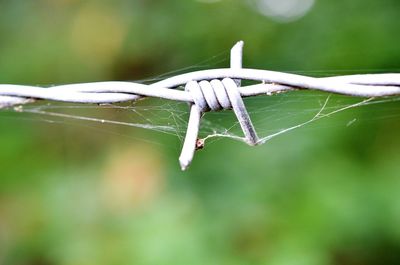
(236, 55)
(238, 45)
(184, 163)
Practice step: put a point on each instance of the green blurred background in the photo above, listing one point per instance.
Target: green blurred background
(75, 193)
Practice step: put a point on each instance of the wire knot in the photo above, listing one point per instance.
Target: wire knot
(213, 95)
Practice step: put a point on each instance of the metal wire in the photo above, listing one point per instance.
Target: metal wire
(368, 85)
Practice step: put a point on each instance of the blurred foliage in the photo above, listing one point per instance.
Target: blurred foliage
(82, 194)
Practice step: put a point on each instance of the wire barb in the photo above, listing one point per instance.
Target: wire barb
(216, 95)
(207, 90)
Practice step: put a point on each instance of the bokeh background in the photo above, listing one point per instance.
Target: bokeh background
(74, 193)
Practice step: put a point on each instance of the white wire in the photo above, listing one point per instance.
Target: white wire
(370, 85)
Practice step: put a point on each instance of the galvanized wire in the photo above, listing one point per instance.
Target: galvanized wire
(367, 85)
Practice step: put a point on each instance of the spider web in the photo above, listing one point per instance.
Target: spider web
(272, 116)
(280, 114)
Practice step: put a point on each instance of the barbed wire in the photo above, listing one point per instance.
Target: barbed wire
(206, 90)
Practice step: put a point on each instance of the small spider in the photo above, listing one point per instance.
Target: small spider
(200, 144)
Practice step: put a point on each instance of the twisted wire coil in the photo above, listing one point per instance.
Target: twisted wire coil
(217, 95)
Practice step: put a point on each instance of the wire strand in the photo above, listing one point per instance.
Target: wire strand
(370, 85)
